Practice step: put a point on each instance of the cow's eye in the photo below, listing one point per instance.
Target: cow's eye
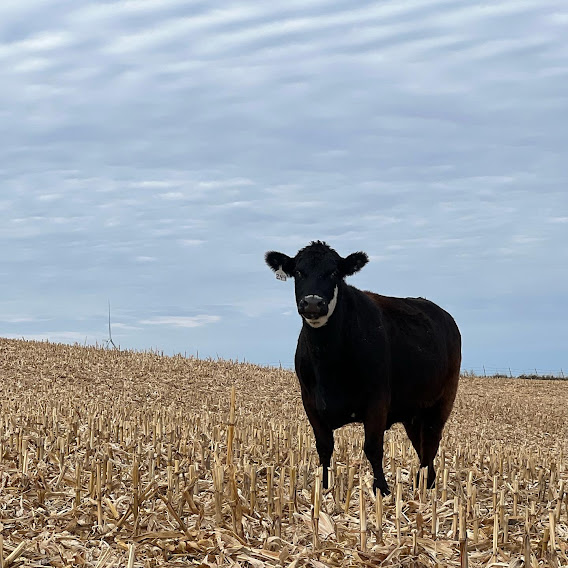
(298, 274)
(334, 274)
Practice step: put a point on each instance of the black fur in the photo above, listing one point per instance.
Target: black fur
(378, 360)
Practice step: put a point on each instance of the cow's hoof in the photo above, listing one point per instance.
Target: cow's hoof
(384, 489)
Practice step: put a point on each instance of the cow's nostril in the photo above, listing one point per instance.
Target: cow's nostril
(303, 304)
(321, 304)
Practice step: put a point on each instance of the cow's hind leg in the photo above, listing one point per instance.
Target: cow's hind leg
(425, 433)
(433, 421)
(374, 440)
(413, 429)
(432, 424)
(431, 434)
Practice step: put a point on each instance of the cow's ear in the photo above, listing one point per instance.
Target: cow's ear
(353, 263)
(278, 260)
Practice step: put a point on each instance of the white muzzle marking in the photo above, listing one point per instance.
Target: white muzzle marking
(320, 322)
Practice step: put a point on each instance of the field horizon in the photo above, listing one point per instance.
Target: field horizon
(114, 457)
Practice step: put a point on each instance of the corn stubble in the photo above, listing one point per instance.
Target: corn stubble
(111, 458)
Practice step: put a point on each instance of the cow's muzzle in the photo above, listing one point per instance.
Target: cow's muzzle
(312, 307)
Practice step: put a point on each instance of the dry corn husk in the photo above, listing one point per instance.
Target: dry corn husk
(112, 458)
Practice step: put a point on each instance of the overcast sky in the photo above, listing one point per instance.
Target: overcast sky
(153, 150)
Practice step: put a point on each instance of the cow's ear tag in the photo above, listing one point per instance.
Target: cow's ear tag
(280, 274)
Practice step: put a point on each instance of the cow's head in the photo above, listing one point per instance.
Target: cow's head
(318, 272)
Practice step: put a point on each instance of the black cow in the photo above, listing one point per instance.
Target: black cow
(363, 357)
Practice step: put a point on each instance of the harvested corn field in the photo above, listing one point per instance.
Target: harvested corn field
(111, 458)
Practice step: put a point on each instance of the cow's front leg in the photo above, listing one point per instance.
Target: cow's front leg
(324, 440)
(324, 446)
(374, 439)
